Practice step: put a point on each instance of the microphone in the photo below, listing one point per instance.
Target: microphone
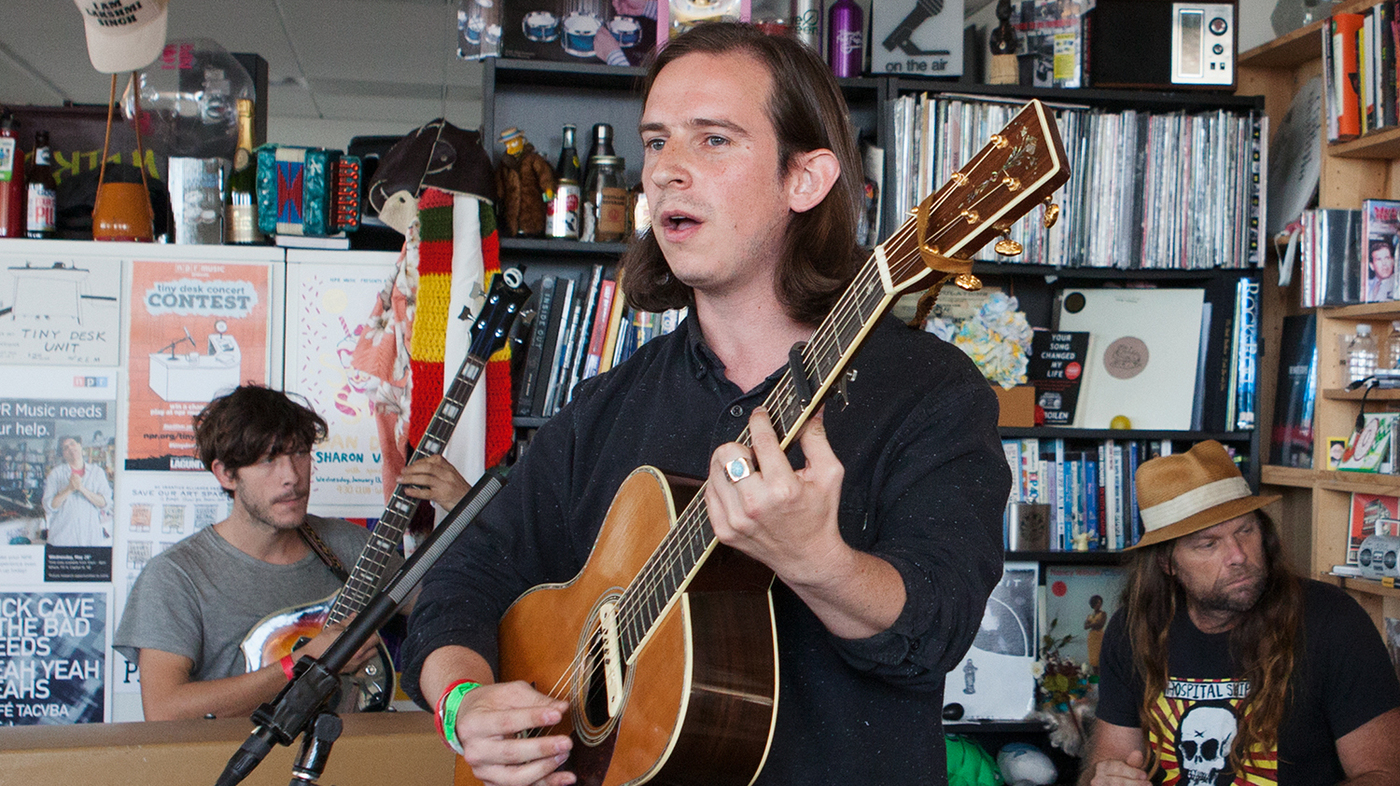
(300, 701)
(904, 31)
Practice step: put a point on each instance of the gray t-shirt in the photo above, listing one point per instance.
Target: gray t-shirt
(202, 596)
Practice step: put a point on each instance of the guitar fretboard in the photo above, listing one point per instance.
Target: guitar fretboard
(364, 579)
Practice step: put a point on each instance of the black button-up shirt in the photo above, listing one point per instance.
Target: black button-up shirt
(925, 485)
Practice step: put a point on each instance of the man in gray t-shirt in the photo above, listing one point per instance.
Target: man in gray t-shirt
(195, 602)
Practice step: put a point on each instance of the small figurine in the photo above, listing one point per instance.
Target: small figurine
(524, 184)
(1003, 69)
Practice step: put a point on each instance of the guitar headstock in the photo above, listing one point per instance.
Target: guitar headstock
(1019, 167)
(492, 326)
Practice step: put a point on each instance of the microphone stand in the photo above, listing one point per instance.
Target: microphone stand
(305, 699)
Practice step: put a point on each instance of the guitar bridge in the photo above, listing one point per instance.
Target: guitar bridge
(612, 660)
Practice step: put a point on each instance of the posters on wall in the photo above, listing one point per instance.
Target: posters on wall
(995, 681)
(154, 511)
(53, 667)
(57, 309)
(328, 303)
(57, 473)
(197, 328)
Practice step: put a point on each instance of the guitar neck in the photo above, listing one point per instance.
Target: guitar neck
(671, 567)
(398, 513)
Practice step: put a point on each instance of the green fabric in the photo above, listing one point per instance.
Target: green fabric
(969, 764)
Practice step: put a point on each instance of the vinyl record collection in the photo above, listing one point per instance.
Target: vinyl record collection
(1171, 190)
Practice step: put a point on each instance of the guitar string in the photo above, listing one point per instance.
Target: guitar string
(695, 518)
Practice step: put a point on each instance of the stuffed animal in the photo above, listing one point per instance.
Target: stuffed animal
(1023, 764)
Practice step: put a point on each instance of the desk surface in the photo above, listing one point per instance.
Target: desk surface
(393, 747)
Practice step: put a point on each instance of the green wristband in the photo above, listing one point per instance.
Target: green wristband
(450, 703)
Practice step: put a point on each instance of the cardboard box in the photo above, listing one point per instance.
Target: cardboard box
(1017, 406)
(906, 40)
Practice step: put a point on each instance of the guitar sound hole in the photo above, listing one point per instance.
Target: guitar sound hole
(595, 692)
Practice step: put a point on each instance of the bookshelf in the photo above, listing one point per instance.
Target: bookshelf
(1315, 505)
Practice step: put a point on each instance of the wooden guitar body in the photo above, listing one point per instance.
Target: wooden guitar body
(709, 666)
(369, 689)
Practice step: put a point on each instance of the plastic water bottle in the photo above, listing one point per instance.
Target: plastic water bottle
(1361, 353)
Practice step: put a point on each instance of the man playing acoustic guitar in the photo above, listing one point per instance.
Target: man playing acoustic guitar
(885, 539)
(194, 603)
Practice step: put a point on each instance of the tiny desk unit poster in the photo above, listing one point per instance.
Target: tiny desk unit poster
(994, 681)
(59, 310)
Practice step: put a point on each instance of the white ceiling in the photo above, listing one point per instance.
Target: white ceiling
(377, 64)
(337, 68)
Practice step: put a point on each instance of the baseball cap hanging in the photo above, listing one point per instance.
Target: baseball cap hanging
(1188, 492)
(123, 35)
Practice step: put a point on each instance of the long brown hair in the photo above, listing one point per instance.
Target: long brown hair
(1262, 644)
(808, 113)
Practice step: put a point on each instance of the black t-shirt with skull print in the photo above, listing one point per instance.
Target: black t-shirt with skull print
(1342, 678)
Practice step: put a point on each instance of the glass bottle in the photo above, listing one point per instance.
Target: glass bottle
(1360, 353)
(605, 201)
(600, 146)
(11, 179)
(561, 214)
(772, 16)
(40, 192)
(1392, 354)
(845, 30)
(241, 204)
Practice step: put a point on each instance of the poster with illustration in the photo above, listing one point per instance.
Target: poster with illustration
(57, 474)
(197, 329)
(328, 304)
(995, 680)
(1078, 603)
(54, 670)
(58, 309)
(154, 511)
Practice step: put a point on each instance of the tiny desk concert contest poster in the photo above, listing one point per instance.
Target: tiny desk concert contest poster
(197, 329)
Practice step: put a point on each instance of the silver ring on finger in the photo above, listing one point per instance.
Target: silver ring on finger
(738, 469)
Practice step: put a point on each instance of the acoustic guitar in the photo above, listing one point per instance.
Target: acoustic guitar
(371, 688)
(664, 644)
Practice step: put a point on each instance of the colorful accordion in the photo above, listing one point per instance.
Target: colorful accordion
(307, 191)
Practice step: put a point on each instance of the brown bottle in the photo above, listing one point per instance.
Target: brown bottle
(40, 192)
(11, 179)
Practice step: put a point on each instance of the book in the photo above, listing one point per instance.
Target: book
(1372, 447)
(993, 681)
(597, 335)
(1367, 513)
(549, 367)
(1295, 393)
(615, 322)
(339, 242)
(1056, 368)
(1346, 64)
(1338, 256)
(1380, 230)
(1244, 367)
(583, 331)
(539, 331)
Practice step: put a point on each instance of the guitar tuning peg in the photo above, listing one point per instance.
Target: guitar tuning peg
(1052, 212)
(1008, 247)
(968, 282)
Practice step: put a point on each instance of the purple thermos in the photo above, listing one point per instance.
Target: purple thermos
(844, 45)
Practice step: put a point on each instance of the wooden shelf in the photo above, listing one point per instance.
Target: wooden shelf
(1379, 394)
(1367, 586)
(1331, 480)
(1383, 144)
(1287, 51)
(1378, 311)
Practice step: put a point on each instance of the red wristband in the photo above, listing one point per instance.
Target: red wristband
(288, 666)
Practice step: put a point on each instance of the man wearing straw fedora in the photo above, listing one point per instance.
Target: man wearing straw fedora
(1223, 666)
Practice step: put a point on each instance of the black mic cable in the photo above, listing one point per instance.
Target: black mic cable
(283, 719)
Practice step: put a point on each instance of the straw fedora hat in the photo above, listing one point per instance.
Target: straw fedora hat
(1188, 492)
